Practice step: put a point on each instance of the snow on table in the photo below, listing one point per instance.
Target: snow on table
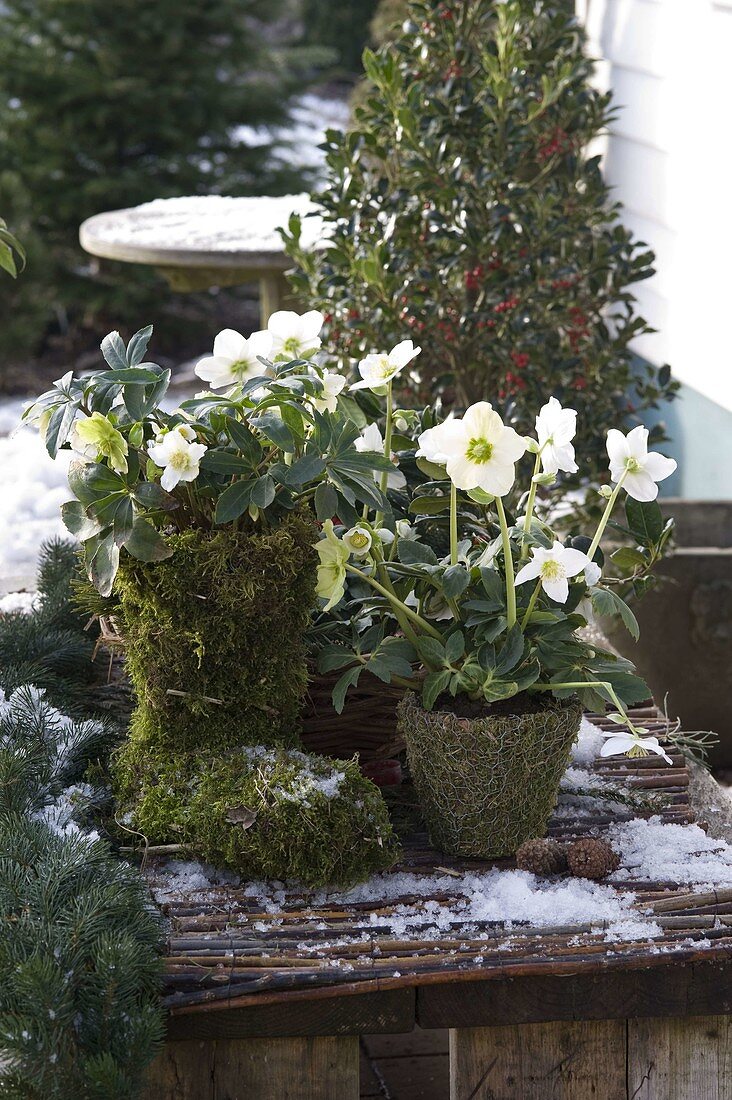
(212, 228)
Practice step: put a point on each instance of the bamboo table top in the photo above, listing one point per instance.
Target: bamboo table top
(228, 954)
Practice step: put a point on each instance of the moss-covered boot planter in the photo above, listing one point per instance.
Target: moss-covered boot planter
(214, 638)
(487, 784)
(271, 813)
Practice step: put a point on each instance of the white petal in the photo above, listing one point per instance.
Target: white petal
(397, 480)
(640, 486)
(566, 428)
(557, 590)
(283, 323)
(593, 572)
(310, 324)
(438, 443)
(403, 353)
(370, 439)
(497, 477)
(637, 442)
(481, 421)
(217, 372)
(509, 447)
(364, 384)
(229, 344)
(260, 343)
(617, 448)
(617, 744)
(559, 457)
(464, 473)
(170, 478)
(529, 572)
(658, 466)
(574, 561)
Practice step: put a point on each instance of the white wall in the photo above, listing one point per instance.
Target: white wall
(669, 156)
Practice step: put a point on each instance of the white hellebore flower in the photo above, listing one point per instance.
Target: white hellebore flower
(639, 467)
(294, 335)
(479, 451)
(553, 567)
(234, 358)
(627, 742)
(177, 457)
(555, 430)
(371, 439)
(379, 368)
(327, 399)
(358, 540)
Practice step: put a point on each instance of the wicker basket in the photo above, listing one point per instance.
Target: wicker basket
(367, 726)
(487, 784)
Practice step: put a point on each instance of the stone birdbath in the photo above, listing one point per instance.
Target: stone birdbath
(206, 241)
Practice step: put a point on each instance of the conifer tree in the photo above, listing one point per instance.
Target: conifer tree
(106, 105)
(466, 209)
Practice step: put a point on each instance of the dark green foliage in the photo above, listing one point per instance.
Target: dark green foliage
(263, 813)
(214, 638)
(465, 211)
(106, 105)
(79, 1014)
(50, 647)
(342, 27)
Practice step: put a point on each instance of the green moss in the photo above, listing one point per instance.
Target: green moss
(214, 638)
(271, 813)
(214, 648)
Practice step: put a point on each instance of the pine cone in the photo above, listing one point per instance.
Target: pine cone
(591, 858)
(542, 857)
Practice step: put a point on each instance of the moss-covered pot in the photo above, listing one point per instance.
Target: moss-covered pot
(214, 639)
(487, 784)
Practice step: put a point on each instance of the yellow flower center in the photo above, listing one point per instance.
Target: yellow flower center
(479, 451)
(637, 750)
(291, 346)
(179, 460)
(359, 539)
(241, 368)
(632, 465)
(553, 570)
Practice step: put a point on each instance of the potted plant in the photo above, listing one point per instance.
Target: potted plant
(489, 645)
(200, 521)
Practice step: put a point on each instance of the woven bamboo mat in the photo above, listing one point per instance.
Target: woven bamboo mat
(232, 950)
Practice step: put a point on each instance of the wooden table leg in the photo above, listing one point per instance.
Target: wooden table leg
(554, 1061)
(319, 1068)
(274, 293)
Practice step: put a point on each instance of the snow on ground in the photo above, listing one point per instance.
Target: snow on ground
(32, 489)
(311, 116)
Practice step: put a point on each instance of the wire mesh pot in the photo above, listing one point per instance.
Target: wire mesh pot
(487, 784)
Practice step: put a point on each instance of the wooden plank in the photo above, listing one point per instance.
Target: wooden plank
(319, 1068)
(561, 1061)
(680, 1059)
(677, 989)
(390, 1010)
